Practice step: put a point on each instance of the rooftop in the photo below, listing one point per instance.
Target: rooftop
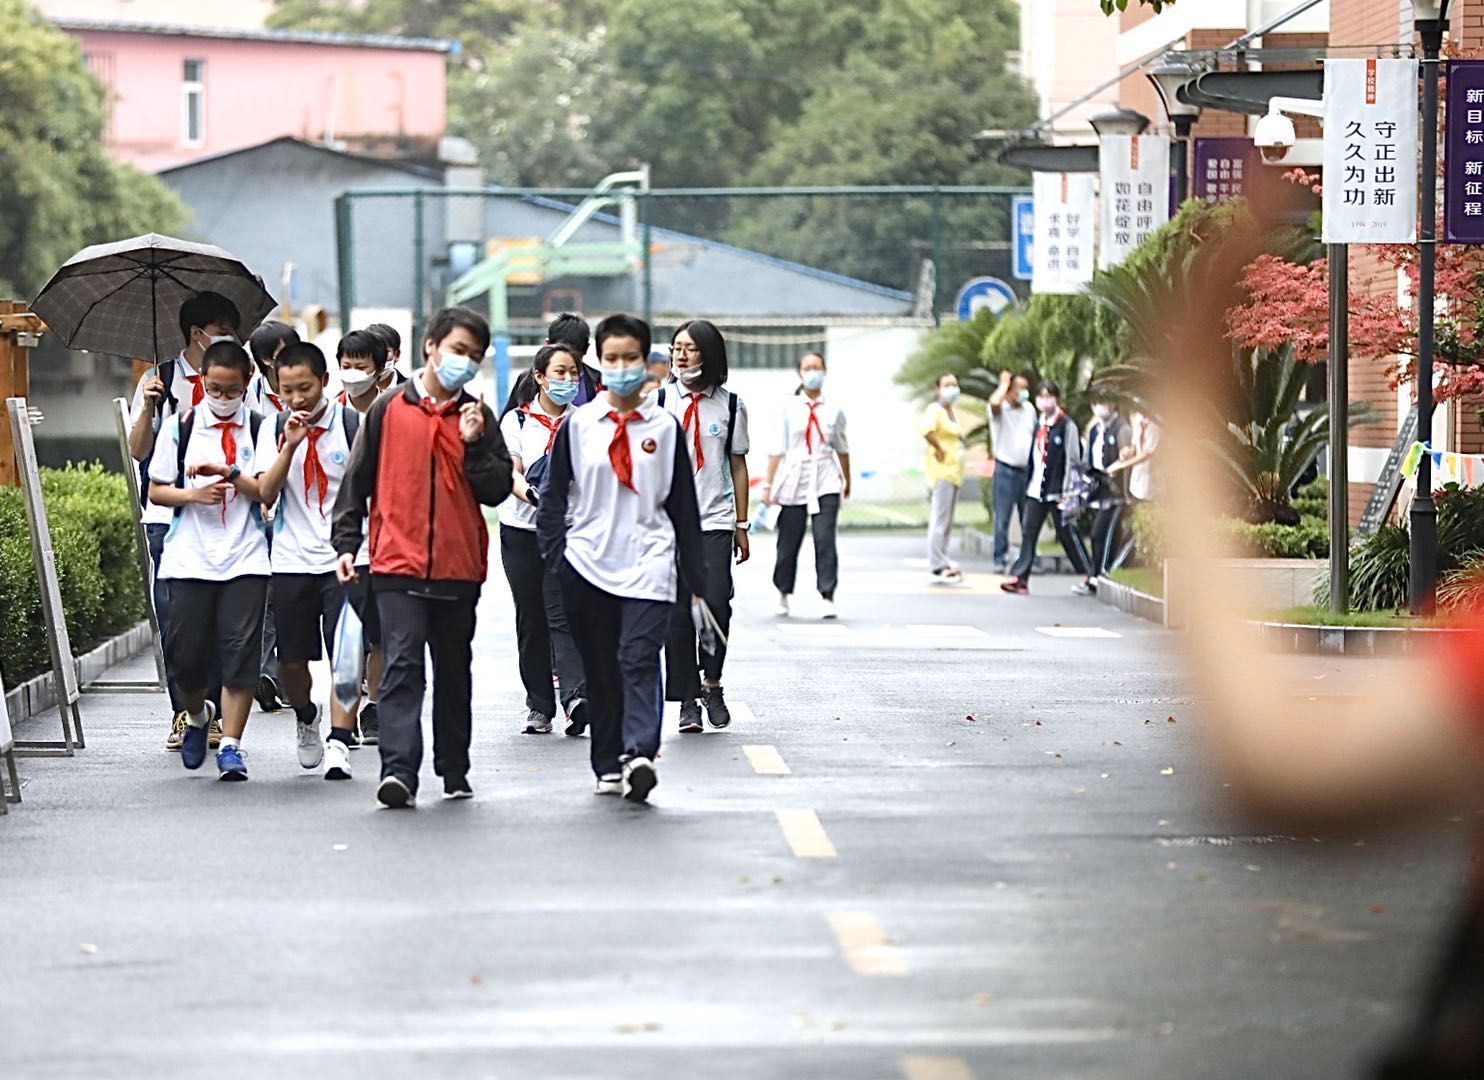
(233, 33)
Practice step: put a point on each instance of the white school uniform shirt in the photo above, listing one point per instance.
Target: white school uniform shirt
(261, 398)
(714, 491)
(183, 389)
(1012, 432)
(619, 541)
(528, 440)
(211, 543)
(806, 474)
(301, 527)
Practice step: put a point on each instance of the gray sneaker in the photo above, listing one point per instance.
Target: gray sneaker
(537, 724)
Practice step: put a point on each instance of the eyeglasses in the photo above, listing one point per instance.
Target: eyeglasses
(685, 350)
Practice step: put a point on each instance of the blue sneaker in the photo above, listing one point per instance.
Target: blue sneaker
(230, 764)
(193, 741)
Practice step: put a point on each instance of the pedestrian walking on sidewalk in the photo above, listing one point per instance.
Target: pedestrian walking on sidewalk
(543, 636)
(618, 515)
(808, 477)
(427, 457)
(300, 462)
(215, 558)
(1054, 447)
(1012, 426)
(944, 468)
(714, 421)
(1109, 438)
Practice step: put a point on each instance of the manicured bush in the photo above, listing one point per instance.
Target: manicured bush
(1381, 567)
(1309, 539)
(1148, 525)
(93, 542)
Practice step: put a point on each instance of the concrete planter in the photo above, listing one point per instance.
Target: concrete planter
(1266, 584)
(1349, 640)
(39, 695)
(1130, 600)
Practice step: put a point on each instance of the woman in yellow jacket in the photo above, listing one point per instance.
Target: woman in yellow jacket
(945, 474)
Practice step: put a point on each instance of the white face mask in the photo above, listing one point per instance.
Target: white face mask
(1102, 412)
(691, 376)
(224, 408)
(356, 381)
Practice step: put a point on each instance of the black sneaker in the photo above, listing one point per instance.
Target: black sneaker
(639, 779)
(577, 718)
(457, 787)
(270, 699)
(716, 707)
(368, 726)
(394, 794)
(690, 717)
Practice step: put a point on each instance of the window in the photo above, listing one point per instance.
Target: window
(193, 103)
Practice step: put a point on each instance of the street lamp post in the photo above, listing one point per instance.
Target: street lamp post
(1119, 122)
(1431, 20)
(1168, 77)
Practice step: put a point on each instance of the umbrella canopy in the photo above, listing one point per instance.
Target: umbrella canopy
(124, 298)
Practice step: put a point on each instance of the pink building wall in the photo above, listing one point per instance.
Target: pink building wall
(260, 90)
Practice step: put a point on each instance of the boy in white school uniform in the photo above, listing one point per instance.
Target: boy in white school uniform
(215, 558)
(300, 462)
(620, 469)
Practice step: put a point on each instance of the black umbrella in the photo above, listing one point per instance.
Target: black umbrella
(124, 298)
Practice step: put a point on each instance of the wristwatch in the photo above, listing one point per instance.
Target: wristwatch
(233, 473)
(744, 525)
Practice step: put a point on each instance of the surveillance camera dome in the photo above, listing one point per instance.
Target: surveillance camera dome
(1274, 136)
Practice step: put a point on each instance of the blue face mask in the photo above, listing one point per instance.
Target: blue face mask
(455, 371)
(624, 381)
(813, 380)
(949, 394)
(561, 391)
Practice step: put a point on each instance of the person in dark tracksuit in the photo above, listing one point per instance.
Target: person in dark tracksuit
(543, 636)
(715, 424)
(427, 456)
(620, 468)
(1055, 444)
(1107, 439)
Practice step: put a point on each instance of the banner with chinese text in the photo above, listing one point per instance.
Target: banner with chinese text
(1224, 168)
(1135, 172)
(1370, 151)
(1463, 174)
(1062, 251)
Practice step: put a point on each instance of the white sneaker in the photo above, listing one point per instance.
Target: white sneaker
(311, 749)
(609, 784)
(639, 779)
(827, 610)
(782, 608)
(337, 760)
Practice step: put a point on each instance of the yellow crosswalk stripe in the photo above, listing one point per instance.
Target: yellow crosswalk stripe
(804, 833)
(766, 761)
(936, 1068)
(866, 946)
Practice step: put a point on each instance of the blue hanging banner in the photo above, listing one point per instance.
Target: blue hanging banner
(1463, 172)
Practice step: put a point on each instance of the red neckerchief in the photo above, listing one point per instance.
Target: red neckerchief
(693, 412)
(229, 452)
(1042, 432)
(197, 393)
(277, 401)
(314, 470)
(618, 449)
(446, 449)
(545, 421)
(812, 426)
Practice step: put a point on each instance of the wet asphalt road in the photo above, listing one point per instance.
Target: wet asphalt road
(942, 839)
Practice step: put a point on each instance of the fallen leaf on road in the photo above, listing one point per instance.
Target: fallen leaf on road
(984, 997)
(1171, 866)
(1079, 791)
(1377, 909)
(1203, 876)
(970, 718)
(1117, 743)
(1167, 771)
(1162, 821)
(476, 980)
(1171, 720)
(1254, 869)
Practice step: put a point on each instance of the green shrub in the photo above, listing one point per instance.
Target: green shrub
(93, 543)
(1380, 569)
(1309, 539)
(1150, 534)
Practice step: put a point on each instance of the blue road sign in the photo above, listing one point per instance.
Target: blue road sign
(1022, 232)
(985, 292)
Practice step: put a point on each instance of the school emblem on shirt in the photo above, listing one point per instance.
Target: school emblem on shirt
(338, 457)
(648, 446)
(246, 453)
(714, 429)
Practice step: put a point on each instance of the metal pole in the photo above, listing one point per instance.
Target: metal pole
(1424, 516)
(344, 253)
(937, 238)
(419, 310)
(648, 259)
(1339, 421)
(1181, 149)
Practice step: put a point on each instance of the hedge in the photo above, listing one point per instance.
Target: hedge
(93, 542)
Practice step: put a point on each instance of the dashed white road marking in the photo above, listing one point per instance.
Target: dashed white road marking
(766, 761)
(805, 834)
(822, 627)
(742, 713)
(1077, 632)
(936, 1068)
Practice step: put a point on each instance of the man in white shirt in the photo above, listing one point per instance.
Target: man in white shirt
(1012, 426)
(167, 389)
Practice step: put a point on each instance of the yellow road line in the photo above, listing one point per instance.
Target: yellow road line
(865, 944)
(936, 1068)
(804, 833)
(766, 761)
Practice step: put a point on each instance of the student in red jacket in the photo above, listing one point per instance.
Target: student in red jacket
(427, 457)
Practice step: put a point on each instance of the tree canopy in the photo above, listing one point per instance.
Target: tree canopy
(60, 191)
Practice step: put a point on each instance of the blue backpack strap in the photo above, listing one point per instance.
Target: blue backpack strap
(731, 422)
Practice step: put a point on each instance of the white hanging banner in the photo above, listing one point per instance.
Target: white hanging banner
(1062, 251)
(1135, 173)
(1370, 152)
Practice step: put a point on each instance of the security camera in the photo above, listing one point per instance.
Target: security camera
(1274, 136)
